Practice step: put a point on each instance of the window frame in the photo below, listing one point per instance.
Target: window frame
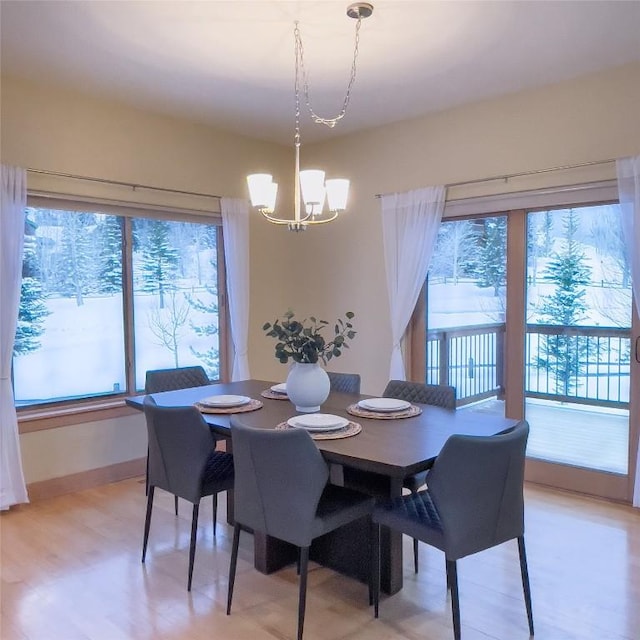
(58, 413)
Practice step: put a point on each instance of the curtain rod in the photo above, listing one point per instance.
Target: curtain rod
(520, 175)
(132, 185)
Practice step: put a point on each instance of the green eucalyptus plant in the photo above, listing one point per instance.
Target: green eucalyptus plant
(304, 342)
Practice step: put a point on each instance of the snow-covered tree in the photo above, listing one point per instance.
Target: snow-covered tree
(491, 262)
(109, 233)
(166, 324)
(159, 260)
(566, 306)
(454, 247)
(211, 357)
(76, 264)
(32, 310)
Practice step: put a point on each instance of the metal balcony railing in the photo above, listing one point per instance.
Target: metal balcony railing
(586, 365)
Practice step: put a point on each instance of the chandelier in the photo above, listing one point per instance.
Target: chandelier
(310, 188)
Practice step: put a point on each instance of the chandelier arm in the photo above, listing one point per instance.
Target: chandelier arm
(273, 219)
(334, 215)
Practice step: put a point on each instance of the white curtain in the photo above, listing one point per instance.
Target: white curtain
(628, 170)
(12, 219)
(410, 223)
(235, 225)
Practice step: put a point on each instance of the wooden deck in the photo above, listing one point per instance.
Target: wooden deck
(573, 434)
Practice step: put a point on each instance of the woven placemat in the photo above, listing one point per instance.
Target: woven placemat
(272, 395)
(252, 405)
(352, 429)
(356, 410)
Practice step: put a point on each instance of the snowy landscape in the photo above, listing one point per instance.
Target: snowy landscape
(71, 336)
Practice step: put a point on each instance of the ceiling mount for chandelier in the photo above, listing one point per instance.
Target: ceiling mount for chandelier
(310, 184)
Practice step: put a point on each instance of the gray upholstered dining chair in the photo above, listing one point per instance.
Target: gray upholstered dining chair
(344, 382)
(474, 502)
(158, 380)
(184, 462)
(282, 490)
(438, 395)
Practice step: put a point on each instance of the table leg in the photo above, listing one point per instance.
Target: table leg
(272, 554)
(347, 549)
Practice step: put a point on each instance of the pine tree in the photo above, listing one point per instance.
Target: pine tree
(491, 265)
(32, 310)
(210, 357)
(110, 242)
(566, 306)
(159, 260)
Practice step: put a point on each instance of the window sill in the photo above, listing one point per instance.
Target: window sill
(40, 419)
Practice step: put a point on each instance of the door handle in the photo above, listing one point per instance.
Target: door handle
(638, 349)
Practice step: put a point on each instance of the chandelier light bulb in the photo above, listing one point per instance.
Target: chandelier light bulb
(312, 186)
(337, 193)
(262, 191)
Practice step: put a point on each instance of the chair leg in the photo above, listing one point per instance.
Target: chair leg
(147, 521)
(302, 600)
(525, 582)
(452, 579)
(192, 546)
(375, 547)
(175, 504)
(146, 476)
(214, 499)
(232, 565)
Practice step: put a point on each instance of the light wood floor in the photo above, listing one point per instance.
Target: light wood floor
(71, 571)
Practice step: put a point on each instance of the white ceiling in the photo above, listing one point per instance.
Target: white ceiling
(231, 64)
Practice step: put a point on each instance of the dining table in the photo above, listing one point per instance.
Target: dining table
(376, 460)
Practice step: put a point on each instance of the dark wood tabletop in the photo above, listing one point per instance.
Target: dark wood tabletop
(395, 448)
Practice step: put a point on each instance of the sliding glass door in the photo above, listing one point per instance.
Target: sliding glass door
(578, 346)
(529, 315)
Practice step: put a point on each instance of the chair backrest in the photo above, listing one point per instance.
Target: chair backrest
(439, 395)
(344, 382)
(476, 485)
(180, 444)
(279, 478)
(172, 379)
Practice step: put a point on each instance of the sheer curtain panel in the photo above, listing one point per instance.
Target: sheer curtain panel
(235, 226)
(410, 223)
(628, 170)
(12, 219)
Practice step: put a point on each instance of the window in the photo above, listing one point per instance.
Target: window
(528, 314)
(107, 296)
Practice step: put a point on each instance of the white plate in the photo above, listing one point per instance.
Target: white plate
(384, 404)
(225, 401)
(318, 422)
(280, 388)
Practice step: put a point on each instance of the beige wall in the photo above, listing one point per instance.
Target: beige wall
(590, 119)
(44, 128)
(328, 270)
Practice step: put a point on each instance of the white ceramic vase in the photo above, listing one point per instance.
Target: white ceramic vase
(307, 386)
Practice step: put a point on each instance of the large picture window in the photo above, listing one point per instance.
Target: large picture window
(106, 296)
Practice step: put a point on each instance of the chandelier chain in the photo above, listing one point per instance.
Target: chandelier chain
(300, 66)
